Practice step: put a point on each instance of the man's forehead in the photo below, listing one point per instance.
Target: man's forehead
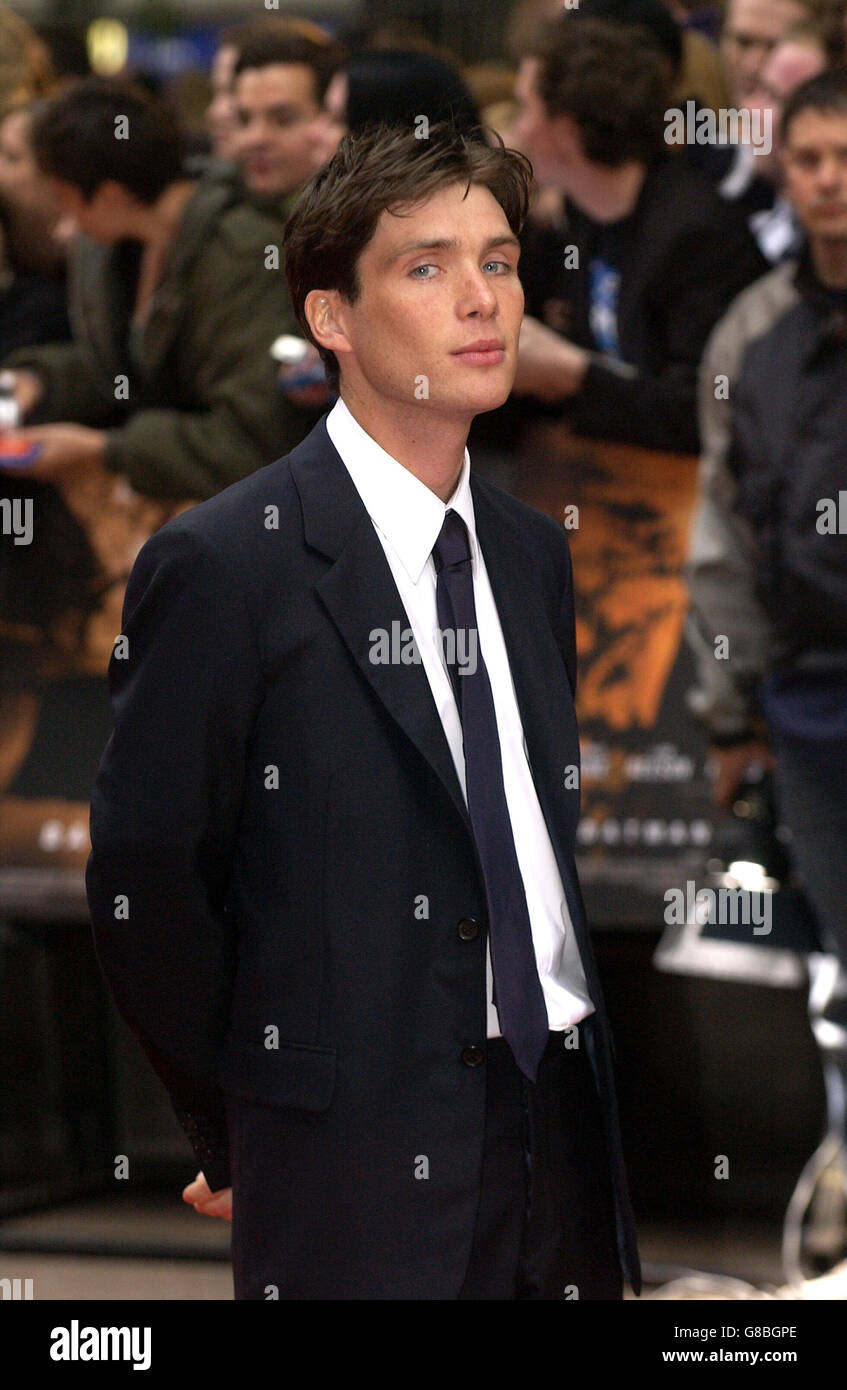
(286, 77)
(767, 18)
(813, 128)
(810, 119)
(441, 218)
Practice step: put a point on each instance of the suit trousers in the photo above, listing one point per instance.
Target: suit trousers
(545, 1226)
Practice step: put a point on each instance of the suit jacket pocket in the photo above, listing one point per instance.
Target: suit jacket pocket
(293, 1074)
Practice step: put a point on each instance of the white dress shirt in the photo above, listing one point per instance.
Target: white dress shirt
(408, 517)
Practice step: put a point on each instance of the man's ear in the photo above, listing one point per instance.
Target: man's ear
(324, 310)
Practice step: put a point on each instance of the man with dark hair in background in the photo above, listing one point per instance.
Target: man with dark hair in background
(332, 850)
(802, 52)
(176, 294)
(280, 80)
(750, 32)
(221, 120)
(620, 301)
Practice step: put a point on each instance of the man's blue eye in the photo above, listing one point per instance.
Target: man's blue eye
(503, 264)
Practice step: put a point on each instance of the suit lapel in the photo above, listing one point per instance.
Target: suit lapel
(360, 595)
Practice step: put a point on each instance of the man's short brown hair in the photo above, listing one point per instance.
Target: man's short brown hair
(386, 168)
(286, 42)
(827, 93)
(610, 78)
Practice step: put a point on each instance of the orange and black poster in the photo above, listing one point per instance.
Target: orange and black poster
(645, 799)
(61, 598)
(645, 806)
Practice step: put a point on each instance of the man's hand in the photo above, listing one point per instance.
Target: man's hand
(549, 366)
(65, 449)
(199, 1195)
(27, 390)
(731, 765)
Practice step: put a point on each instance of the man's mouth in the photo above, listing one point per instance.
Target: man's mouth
(483, 353)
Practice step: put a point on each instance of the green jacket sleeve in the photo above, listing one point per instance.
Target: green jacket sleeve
(74, 386)
(232, 418)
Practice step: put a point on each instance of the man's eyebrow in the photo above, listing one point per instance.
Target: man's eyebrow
(449, 244)
(277, 108)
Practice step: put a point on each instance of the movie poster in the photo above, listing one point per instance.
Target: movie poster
(646, 812)
(647, 816)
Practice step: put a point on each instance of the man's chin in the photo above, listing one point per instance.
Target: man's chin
(262, 187)
(827, 229)
(480, 402)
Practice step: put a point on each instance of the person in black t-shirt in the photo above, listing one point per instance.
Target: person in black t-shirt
(621, 298)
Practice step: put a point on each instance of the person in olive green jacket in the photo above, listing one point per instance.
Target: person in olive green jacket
(177, 291)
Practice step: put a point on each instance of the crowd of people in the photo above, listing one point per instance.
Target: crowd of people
(688, 296)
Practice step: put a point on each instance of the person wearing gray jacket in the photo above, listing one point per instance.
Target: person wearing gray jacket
(720, 568)
(767, 567)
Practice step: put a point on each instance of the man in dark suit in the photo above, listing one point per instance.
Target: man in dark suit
(340, 799)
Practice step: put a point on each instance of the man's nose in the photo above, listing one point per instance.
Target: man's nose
(254, 132)
(751, 64)
(830, 173)
(477, 293)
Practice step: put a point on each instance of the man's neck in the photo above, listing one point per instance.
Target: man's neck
(615, 191)
(155, 225)
(276, 202)
(829, 258)
(430, 446)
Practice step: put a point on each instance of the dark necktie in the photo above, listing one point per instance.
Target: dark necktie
(519, 998)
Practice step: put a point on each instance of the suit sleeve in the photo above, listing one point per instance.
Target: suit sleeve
(165, 809)
(73, 386)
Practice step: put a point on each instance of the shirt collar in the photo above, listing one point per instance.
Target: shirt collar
(402, 508)
(828, 305)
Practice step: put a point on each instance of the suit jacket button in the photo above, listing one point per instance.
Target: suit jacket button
(473, 1056)
(468, 928)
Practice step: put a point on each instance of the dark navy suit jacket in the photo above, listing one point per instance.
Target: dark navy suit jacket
(272, 817)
